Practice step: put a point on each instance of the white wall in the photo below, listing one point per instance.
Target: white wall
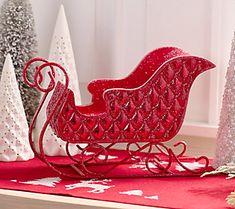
(124, 30)
(111, 36)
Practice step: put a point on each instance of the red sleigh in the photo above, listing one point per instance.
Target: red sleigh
(139, 113)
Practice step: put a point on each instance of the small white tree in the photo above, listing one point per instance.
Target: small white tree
(18, 38)
(225, 146)
(61, 52)
(14, 143)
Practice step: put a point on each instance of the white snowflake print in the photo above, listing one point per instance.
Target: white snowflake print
(101, 157)
(49, 181)
(138, 192)
(192, 166)
(142, 165)
(110, 157)
(133, 192)
(155, 197)
(97, 186)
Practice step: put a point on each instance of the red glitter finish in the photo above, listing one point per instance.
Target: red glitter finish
(147, 106)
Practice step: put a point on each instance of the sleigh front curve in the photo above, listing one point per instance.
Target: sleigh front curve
(138, 113)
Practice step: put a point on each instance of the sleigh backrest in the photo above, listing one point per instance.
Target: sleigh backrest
(145, 69)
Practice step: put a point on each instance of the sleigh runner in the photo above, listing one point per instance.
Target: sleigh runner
(139, 112)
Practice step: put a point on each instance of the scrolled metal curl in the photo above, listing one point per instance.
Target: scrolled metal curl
(38, 76)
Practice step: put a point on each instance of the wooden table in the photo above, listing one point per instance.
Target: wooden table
(10, 199)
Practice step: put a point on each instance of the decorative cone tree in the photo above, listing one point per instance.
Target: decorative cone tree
(18, 38)
(61, 52)
(14, 143)
(225, 146)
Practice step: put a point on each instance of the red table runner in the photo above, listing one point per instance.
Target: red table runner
(170, 192)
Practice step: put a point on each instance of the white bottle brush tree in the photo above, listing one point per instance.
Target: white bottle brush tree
(61, 52)
(14, 143)
(17, 37)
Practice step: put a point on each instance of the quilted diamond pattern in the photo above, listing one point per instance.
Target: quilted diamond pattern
(153, 111)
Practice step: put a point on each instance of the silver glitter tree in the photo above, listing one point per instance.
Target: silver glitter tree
(17, 37)
(225, 145)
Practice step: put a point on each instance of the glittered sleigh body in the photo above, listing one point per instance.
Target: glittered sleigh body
(135, 115)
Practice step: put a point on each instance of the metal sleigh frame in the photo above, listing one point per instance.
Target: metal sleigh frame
(139, 115)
